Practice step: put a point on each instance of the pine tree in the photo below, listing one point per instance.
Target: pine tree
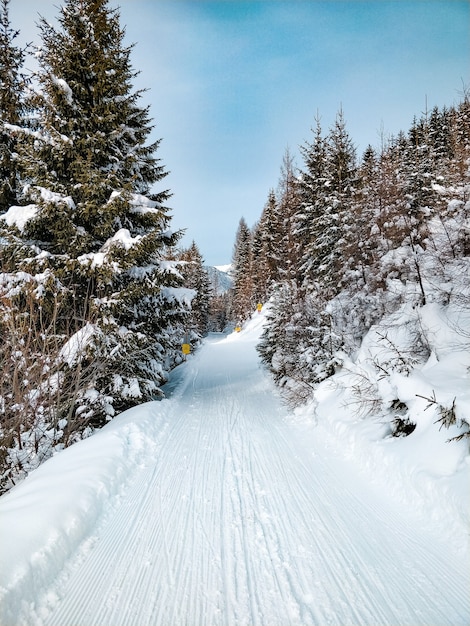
(287, 208)
(92, 132)
(12, 85)
(326, 191)
(98, 229)
(243, 292)
(335, 222)
(461, 137)
(298, 343)
(440, 137)
(388, 233)
(312, 184)
(266, 246)
(363, 243)
(195, 277)
(278, 346)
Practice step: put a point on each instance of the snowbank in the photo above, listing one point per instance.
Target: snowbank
(354, 411)
(71, 491)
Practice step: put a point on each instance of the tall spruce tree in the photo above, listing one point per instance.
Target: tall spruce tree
(287, 208)
(312, 184)
(341, 168)
(12, 85)
(362, 241)
(98, 228)
(326, 190)
(243, 293)
(266, 247)
(195, 277)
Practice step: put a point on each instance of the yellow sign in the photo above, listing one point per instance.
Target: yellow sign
(186, 348)
(237, 329)
(259, 306)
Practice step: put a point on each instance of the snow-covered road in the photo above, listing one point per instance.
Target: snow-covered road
(230, 518)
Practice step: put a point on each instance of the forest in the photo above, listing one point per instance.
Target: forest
(97, 296)
(346, 244)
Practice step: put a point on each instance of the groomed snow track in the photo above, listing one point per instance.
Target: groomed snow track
(232, 520)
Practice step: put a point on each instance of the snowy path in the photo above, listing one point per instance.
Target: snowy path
(233, 521)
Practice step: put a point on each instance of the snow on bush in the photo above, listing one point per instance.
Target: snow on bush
(400, 413)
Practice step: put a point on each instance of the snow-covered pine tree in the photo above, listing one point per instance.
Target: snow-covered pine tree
(388, 187)
(440, 137)
(97, 227)
(287, 208)
(335, 223)
(460, 124)
(266, 245)
(243, 293)
(262, 280)
(416, 173)
(315, 225)
(361, 300)
(277, 347)
(363, 243)
(12, 87)
(298, 344)
(447, 240)
(326, 193)
(195, 277)
(312, 184)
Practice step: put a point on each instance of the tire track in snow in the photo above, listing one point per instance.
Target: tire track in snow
(233, 523)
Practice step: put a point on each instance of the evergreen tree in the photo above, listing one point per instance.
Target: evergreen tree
(98, 228)
(298, 343)
(363, 242)
(440, 137)
(278, 346)
(335, 222)
(461, 138)
(287, 207)
(243, 300)
(259, 265)
(12, 85)
(272, 232)
(195, 277)
(312, 185)
(326, 191)
(266, 245)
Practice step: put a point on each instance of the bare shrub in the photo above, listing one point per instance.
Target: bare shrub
(38, 388)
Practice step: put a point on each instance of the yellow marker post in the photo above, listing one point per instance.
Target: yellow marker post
(259, 306)
(186, 348)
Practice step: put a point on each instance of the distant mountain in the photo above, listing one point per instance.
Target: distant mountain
(220, 277)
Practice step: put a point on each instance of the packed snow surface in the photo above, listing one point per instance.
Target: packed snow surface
(217, 506)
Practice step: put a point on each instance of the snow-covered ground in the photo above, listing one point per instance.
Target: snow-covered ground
(219, 506)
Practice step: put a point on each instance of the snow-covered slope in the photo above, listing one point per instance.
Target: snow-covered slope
(428, 471)
(215, 507)
(220, 277)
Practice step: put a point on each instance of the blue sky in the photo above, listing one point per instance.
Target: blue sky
(232, 84)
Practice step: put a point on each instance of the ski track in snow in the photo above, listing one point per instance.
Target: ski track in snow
(231, 521)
